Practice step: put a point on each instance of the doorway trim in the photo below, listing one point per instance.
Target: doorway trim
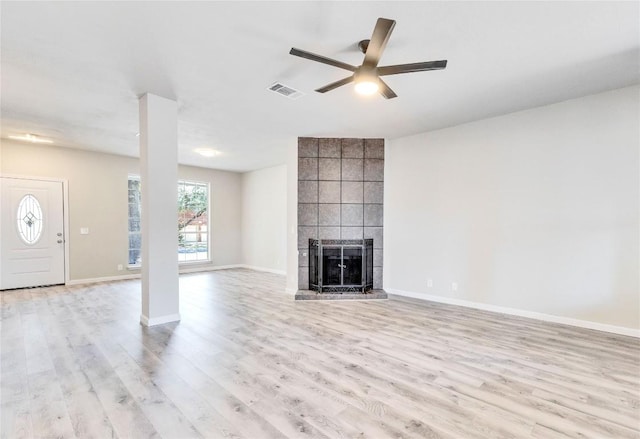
(65, 212)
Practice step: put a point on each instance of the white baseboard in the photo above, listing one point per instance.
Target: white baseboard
(102, 279)
(200, 268)
(521, 313)
(146, 321)
(268, 270)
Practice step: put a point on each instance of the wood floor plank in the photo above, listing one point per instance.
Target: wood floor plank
(15, 420)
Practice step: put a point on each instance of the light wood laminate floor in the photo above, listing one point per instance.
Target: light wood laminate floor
(247, 361)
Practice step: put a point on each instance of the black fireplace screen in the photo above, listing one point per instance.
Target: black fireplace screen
(341, 265)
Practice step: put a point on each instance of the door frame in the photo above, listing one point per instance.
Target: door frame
(65, 211)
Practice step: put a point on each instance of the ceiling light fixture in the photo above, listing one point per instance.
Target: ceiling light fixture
(366, 88)
(206, 152)
(366, 81)
(31, 138)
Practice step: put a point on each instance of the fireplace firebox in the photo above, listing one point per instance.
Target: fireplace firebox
(341, 265)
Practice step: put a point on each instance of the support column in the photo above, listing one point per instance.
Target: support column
(158, 177)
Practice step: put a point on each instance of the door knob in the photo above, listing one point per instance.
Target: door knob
(59, 234)
(59, 241)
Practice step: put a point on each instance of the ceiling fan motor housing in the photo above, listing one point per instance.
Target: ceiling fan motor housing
(366, 73)
(363, 45)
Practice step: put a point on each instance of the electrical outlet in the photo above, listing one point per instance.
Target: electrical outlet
(430, 283)
(454, 286)
(120, 267)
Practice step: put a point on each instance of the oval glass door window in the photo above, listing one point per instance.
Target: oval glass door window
(29, 219)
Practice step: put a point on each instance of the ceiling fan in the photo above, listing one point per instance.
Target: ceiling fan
(367, 75)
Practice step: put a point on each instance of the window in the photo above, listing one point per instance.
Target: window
(29, 219)
(134, 221)
(192, 221)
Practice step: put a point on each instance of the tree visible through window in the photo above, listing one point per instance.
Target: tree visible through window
(192, 224)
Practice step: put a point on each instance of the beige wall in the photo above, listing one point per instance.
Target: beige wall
(98, 200)
(536, 210)
(264, 218)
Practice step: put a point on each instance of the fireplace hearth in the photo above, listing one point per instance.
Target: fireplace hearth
(341, 265)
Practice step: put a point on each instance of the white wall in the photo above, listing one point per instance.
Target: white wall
(264, 219)
(98, 200)
(535, 210)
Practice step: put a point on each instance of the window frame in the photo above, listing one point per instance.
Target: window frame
(207, 186)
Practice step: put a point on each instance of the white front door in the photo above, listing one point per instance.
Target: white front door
(32, 233)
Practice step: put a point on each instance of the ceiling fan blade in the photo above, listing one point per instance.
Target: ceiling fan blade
(334, 85)
(381, 34)
(413, 67)
(386, 91)
(321, 59)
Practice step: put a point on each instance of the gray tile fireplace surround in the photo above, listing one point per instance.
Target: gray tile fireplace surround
(340, 196)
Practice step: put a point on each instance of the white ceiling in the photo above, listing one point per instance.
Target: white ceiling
(73, 71)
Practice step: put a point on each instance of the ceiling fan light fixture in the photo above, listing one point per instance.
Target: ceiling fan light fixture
(366, 81)
(367, 87)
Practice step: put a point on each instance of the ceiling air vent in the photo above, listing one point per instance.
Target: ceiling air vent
(285, 91)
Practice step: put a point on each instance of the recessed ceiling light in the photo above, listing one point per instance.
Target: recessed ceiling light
(206, 152)
(31, 138)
